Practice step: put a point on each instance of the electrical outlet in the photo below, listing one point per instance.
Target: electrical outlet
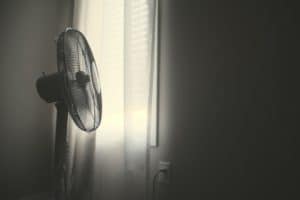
(165, 169)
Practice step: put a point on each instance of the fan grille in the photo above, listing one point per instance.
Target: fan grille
(83, 100)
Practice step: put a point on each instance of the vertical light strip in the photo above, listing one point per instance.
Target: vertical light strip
(153, 121)
(111, 65)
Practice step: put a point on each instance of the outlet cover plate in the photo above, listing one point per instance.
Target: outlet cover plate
(164, 177)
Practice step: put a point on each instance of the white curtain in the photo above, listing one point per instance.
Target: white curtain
(112, 162)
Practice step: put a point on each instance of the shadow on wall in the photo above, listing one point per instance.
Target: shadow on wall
(27, 49)
(229, 100)
(43, 196)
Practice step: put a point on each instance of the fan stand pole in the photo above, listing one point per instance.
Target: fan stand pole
(60, 152)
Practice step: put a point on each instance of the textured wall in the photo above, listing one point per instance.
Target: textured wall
(229, 99)
(28, 29)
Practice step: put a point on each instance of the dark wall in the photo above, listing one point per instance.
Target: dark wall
(28, 29)
(229, 99)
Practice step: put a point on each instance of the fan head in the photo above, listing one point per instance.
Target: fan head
(76, 83)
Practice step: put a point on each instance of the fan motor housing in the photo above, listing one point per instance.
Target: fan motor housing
(50, 87)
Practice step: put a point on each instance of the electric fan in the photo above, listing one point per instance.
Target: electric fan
(74, 89)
